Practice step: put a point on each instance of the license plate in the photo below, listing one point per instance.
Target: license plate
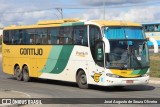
(129, 81)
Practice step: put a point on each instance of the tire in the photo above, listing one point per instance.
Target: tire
(119, 87)
(82, 80)
(18, 73)
(26, 77)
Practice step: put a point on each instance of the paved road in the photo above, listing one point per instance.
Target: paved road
(55, 89)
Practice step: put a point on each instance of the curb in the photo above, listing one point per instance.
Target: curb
(154, 82)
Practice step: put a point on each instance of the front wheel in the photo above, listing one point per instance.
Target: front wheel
(26, 77)
(18, 73)
(82, 80)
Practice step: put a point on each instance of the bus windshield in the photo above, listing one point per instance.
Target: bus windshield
(128, 48)
(124, 33)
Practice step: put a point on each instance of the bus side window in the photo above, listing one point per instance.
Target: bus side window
(155, 27)
(54, 36)
(68, 35)
(41, 36)
(27, 38)
(6, 37)
(16, 37)
(80, 35)
(45, 38)
(31, 38)
(37, 37)
(24, 36)
(49, 38)
(85, 37)
(32, 34)
(61, 36)
(20, 37)
(158, 27)
(11, 37)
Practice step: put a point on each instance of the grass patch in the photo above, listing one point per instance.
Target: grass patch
(155, 65)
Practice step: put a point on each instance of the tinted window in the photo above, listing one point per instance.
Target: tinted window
(80, 35)
(123, 33)
(6, 37)
(94, 35)
(59, 35)
(41, 36)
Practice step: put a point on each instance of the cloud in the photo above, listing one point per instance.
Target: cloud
(136, 11)
(147, 14)
(28, 11)
(111, 2)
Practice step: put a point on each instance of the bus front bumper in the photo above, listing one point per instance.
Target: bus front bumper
(110, 81)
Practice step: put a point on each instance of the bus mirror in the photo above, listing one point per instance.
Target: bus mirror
(107, 45)
(155, 44)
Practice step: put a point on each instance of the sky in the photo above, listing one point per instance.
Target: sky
(24, 12)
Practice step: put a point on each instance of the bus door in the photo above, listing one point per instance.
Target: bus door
(96, 67)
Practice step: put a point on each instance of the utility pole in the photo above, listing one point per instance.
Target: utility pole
(60, 10)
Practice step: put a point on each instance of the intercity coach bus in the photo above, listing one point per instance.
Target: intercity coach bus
(98, 52)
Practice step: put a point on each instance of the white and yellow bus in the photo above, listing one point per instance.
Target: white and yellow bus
(105, 53)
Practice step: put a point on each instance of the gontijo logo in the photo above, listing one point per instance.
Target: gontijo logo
(31, 51)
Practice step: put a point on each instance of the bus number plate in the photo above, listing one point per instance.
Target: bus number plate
(129, 81)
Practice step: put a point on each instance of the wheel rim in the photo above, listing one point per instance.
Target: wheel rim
(25, 74)
(18, 73)
(83, 79)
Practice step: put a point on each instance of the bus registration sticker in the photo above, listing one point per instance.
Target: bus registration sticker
(129, 81)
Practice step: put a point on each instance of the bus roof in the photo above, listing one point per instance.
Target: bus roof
(115, 23)
(71, 22)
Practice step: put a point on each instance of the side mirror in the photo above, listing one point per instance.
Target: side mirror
(155, 44)
(107, 45)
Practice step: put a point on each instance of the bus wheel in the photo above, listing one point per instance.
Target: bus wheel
(82, 80)
(26, 77)
(18, 73)
(119, 87)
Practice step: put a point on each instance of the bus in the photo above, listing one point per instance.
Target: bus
(88, 52)
(152, 30)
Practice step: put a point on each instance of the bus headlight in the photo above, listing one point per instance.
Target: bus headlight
(112, 75)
